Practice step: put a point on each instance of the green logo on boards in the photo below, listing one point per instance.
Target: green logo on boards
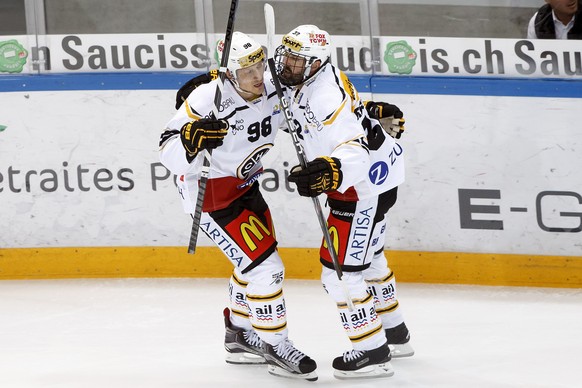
(2, 127)
(12, 56)
(218, 51)
(400, 57)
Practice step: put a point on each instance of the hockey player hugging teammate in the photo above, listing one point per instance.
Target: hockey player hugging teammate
(234, 214)
(358, 167)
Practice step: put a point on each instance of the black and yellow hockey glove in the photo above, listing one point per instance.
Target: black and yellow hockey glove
(320, 175)
(202, 134)
(390, 116)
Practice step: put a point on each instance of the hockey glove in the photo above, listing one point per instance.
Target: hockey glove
(203, 134)
(189, 86)
(390, 116)
(320, 175)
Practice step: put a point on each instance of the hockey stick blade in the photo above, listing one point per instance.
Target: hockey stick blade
(291, 125)
(270, 28)
(208, 154)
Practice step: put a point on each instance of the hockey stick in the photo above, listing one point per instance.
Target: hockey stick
(208, 153)
(270, 27)
(292, 125)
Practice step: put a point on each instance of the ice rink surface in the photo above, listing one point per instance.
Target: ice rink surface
(164, 333)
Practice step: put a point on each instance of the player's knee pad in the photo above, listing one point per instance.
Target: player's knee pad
(378, 268)
(267, 277)
(353, 280)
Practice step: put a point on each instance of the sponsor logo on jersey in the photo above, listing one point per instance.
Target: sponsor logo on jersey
(311, 119)
(225, 104)
(379, 172)
(251, 180)
(239, 125)
(252, 161)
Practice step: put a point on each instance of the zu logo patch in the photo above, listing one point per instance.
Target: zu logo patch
(379, 173)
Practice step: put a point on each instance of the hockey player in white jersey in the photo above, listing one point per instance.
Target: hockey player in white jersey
(359, 168)
(234, 213)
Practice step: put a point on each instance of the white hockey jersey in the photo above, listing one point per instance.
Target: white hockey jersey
(334, 123)
(236, 164)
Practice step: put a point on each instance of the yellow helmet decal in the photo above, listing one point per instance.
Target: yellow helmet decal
(292, 43)
(255, 57)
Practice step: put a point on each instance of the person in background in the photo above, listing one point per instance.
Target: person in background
(234, 214)
(557, 19)
(358, 167)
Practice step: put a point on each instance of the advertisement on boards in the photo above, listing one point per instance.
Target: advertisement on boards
(410, 56)
(483, 174)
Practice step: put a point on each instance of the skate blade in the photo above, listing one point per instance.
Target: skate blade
(369, 372)
(244, 359)
(401, 350)
(278, 371)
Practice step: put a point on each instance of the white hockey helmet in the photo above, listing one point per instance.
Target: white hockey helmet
(305, 41)
(244, 52)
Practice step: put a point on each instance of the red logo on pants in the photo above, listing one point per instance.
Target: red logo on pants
(339, 232)
(251, 234)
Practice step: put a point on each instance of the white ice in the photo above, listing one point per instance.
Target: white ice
(142, 333)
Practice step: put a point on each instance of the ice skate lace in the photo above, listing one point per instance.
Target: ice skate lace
(252, 338)
(352, 355)
(287, 351)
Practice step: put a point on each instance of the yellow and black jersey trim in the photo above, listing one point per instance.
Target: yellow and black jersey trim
(167, 135)
(192, 113)
(332, 116)
(359, 141)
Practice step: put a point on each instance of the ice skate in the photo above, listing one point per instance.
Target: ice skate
(242, 346)
(399, 341)
(286, 361)
(357, 364)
